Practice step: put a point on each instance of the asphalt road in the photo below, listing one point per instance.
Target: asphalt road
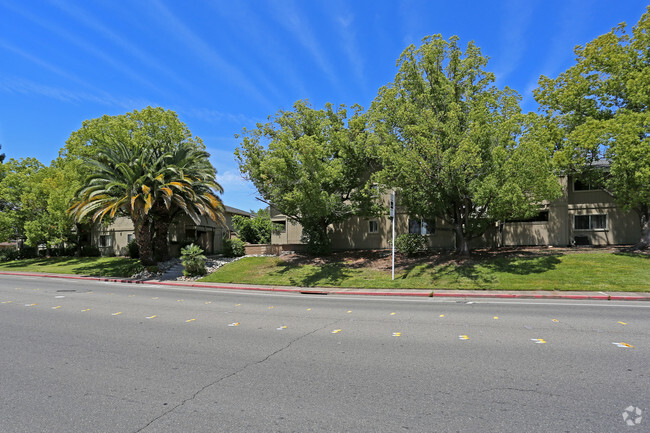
(85, 356)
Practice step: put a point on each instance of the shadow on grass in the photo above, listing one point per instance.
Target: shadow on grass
(76, 265)
(331, 274)
(483, 273)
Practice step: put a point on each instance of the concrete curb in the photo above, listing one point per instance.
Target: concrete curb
(379, 292)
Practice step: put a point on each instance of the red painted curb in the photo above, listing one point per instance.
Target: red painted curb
(340, 292)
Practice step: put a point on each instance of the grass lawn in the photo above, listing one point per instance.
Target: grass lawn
(97, 266)
(593, 271)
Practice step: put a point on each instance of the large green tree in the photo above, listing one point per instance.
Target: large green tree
(600, 107)
(455, 146)
(145, 165)
(35, 200)
(312, 166)
(17, 201)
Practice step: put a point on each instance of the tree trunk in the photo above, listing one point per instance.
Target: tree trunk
(160, 239)
(462, 243)
(644, 242)
(144, 240)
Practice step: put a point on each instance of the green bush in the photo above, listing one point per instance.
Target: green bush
(133, 250)
(255, 230)
(9, 255)
(193, 260)
(234, 248)
(411, 244)
(90, 251)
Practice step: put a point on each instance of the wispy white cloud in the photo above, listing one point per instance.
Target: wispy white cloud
(278, 59)
(78, 41)
(218, 117)
(288, 16)
(346, 30)
(97, 26)
(517, 16)
(204, 52)
(27, 87)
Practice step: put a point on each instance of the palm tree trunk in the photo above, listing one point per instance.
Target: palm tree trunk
(144, 240)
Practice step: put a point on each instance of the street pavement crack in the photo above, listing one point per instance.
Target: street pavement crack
(216, 382)
(520, 390)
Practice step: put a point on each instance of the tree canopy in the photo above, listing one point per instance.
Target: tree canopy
(145, 165)
(599, 107)
(311, 165)
(455, 146)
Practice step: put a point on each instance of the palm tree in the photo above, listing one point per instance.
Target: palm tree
(184, 185)
(151, 183)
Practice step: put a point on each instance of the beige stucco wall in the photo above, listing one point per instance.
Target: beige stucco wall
(208, 234)
(622, 227)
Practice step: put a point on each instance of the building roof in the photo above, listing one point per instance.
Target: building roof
(234, 210)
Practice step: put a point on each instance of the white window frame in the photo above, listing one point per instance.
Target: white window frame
(373, 226)
(423, 227)
(107, 240)
(590, 219)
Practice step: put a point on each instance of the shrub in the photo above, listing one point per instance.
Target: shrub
(411, 244)
(255, 230)
(193, 260)
(133, 250)
(90, 251)
(234, 248)
(9, 255)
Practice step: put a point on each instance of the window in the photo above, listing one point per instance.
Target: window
(540, 217)
(590, 222)
(279, 226)
(419, 227)
(105, 241)
(579, 185)
(373, 227)
(130, 237)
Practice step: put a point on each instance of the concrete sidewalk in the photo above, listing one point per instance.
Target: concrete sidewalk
(582, 295)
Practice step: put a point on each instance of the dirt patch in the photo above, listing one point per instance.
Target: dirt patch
(381, 259)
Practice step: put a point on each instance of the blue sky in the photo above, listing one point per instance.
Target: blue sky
(225, 65)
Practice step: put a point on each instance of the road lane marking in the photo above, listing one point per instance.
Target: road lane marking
(271, 307)
(6, 302)
(152, 317)
(155, 297)
(30, 305)
(463, 337)
(234, 324)
(180, 300)
(116, 314)
(392, 314)
(87, 309)
(131, 296)
(555, 320)
(281, 328)
(442, 315)
(237, 305)
(208, 302)
(397, 334)
(308, 309)
(622, 323)
(59, 297)
(336, 331)
(538, 340)
(623, 345)
(190, 320)
(56, 308)
(496, 317)
(349, 311)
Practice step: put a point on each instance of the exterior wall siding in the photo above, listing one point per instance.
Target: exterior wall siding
(560, 229)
